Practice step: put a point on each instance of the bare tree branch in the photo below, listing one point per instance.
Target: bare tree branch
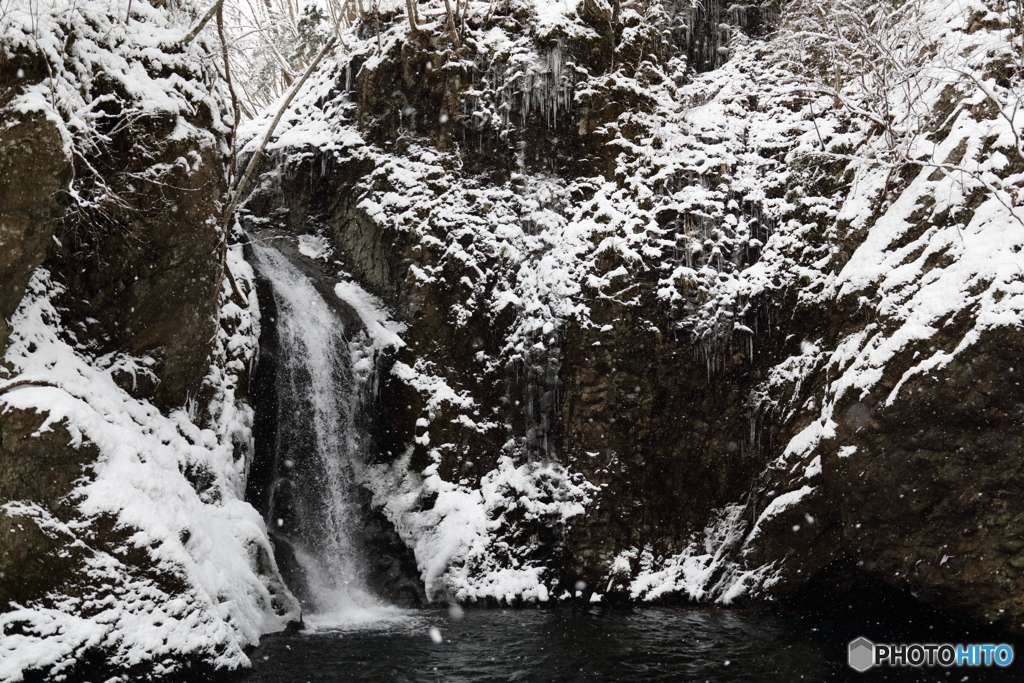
(27, 383)
(191, 35)
(233, 169)
(243, 182)
(236, 192)
(453, 31)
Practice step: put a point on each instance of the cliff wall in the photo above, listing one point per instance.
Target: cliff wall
(682, 327)
(125, 431)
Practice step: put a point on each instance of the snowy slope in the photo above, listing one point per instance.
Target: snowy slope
(172, 491)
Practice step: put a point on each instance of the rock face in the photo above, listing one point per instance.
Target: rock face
(680, 327)
(125, 430)
(147, 286)
(33, 172)
(926, 499)
(445, 208)
(42, 469)
(666, 440)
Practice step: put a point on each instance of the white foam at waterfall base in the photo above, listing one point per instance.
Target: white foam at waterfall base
(345, 604)
(316, 385)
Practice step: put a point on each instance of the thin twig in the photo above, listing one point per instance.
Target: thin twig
(949, 169)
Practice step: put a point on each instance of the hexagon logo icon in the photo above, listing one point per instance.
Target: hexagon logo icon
(861, 654)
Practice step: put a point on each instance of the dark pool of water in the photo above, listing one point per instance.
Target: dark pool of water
(580, 644)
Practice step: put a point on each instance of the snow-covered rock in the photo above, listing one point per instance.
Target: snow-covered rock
(130, 329)
(720, 294)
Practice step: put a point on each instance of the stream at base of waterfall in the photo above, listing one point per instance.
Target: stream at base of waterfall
(614, 645)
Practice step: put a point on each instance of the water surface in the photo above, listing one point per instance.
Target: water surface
(579, 644)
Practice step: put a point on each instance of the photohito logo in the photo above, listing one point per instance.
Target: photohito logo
(862, 654)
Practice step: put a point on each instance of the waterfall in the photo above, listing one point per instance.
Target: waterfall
(311, 506)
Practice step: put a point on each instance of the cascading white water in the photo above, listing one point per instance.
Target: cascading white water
(311, 503)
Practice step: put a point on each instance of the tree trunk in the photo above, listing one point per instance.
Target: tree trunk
(410, 10)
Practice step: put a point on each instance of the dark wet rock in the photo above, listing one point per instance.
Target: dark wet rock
(37, 468)
(33, 172)
(667, 441)
(148, 283)
(928, 502)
